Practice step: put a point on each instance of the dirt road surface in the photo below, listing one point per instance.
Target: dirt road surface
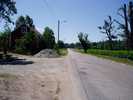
(33, 78)
(74, 77)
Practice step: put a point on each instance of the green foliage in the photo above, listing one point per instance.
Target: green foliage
(32, 41)
(104, 45)
(56, 48)
(61, 44)
(113, 53)
(4, 42)
(20, 21)
(27, 43)
(83, 38)
(4, 39)
(27, 20)
(62, 52)
(73, 45)
(49, 39)
(7, 9)
(20, 46)
(116, 59)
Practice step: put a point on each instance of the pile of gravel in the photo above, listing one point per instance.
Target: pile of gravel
(47, 53)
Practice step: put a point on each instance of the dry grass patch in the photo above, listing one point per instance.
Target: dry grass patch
(7, 76)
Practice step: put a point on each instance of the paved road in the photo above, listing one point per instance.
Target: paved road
(102, 79)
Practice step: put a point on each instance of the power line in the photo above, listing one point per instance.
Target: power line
(50, 9)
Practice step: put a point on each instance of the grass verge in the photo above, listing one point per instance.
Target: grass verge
(63, 52)
(117, 56)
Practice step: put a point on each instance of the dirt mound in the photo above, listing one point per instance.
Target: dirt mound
(47, 53)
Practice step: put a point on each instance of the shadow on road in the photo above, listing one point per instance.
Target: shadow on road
(15, 61)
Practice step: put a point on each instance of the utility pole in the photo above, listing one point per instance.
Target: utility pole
(59, 22)
(58, 30)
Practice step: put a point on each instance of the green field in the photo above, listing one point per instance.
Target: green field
(123, 56)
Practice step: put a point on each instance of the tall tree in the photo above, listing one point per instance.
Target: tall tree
(7, 9)
(4, 39)
(49, 38)
(25, 20)
(108, 29)
(20, 21)
(126, 13)
(124, 26)
(130, 14)
(29, 21)
(83, 38)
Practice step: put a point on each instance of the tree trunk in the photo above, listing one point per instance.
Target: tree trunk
(126, 27)
(130, 13)
(111, 44)
(5, 46)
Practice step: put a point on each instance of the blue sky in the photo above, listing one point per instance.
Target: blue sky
(81, 15)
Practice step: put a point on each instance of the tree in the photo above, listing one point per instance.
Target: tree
(126, 13)
(20, 21)
(61, 44)
(49, 38)
(108, 29)
(130, 14)
(7, 9)
(27, 20)
(83, 38)
(4, 39)
(27, 44)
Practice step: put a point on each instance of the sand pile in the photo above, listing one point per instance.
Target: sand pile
(47, 53)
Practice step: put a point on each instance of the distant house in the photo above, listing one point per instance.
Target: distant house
(20, 31)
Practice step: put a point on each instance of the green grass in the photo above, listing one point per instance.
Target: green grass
(121, 56)
(63, 52)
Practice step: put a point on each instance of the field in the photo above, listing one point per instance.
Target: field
(123, 56)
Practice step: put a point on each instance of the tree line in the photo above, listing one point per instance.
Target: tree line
(113, 41)
(33, 42)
